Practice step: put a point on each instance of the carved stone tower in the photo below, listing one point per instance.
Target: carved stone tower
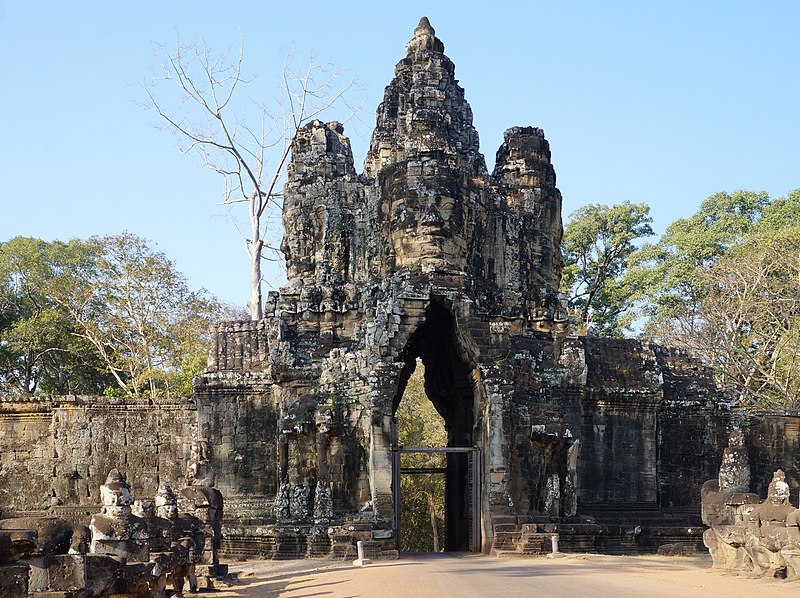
(423, 256)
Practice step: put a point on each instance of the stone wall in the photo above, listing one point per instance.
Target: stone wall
(237, 427)
(60, 449)
(773, 442)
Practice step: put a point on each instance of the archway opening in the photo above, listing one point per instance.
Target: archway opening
(448, 386)
(423, 474)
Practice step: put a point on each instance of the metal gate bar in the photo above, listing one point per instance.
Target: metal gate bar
(473, 487)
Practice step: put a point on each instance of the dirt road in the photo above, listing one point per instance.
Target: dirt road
(461, 575)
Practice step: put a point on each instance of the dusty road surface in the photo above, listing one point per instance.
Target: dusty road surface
(463, 575)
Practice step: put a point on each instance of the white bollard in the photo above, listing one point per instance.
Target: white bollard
(361, 560)
(554, 545)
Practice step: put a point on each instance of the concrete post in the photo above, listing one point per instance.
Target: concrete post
(554, 545)
(361, 560)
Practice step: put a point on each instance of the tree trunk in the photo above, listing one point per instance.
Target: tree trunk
(434, 529)
(27, 384)
(255, 303)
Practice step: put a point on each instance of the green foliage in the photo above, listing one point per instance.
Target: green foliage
(422, 513)
(39, 348)
(597, 242)
(668, 274)
(725, 284)
(106, 315)
(750, 319)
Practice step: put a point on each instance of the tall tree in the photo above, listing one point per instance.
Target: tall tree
(137, 311)
(748, 324)
(669, 274)
(597, 242)
(250, 158)
(725, 284)
(39, 350)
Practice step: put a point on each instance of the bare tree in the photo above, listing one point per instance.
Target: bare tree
(137, 311)
(749, 327)
(210, 121)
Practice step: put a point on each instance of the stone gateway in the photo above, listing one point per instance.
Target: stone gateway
(426, 255)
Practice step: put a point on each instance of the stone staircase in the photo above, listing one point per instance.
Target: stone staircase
(609, 532)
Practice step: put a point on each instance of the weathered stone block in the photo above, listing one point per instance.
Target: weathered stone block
(14, 581)
(57, 573)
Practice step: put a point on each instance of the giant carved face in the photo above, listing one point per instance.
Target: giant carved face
(426, 222)
(116, 495)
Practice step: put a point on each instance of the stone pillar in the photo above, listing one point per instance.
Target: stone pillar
(380, 468)
(323, 503)
(570, 494)
(282, 498)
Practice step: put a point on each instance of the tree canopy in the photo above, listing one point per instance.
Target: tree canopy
(108, 314)
(597, 242)
(40, 345)
(724, 283)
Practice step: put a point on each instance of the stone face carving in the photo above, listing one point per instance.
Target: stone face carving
(116, 530)
(182, 536)
(426, 202)
(745, 534)
(162, 526)
(427, 255)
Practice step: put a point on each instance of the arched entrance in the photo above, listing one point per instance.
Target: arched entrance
(450, 388)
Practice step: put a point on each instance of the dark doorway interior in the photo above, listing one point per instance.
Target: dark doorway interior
(449, 388)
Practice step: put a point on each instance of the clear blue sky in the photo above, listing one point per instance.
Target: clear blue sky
(656, 102)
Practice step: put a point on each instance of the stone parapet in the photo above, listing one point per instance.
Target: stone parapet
(239, 346)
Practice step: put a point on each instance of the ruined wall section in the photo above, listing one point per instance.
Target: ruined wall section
(619, 422)
(237, 433)
(537, 424)
(26, 453)
(693, 424)
(60, 449)
(773, 441)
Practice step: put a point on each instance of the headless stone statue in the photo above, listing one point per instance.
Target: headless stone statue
(734, 472)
